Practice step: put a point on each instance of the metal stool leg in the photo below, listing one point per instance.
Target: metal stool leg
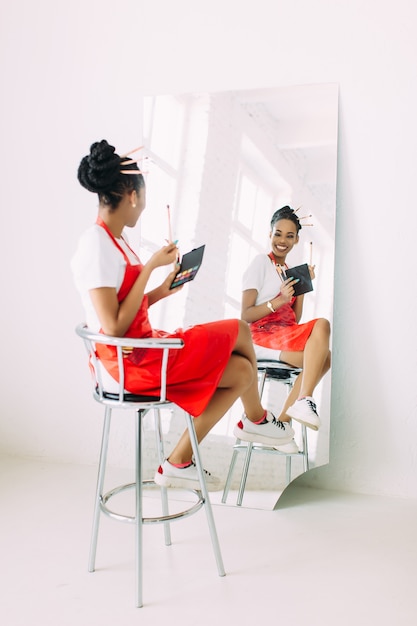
(248, 456)
(207, 503)
(263, 377)
(305, 447)
(261, 384)
(139, 511)
(230, 473)
(161, 458)
(99, 488)
(245, 472)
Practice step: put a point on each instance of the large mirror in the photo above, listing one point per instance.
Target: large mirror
(224, 162)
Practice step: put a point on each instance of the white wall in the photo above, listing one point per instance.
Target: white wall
(73, 73)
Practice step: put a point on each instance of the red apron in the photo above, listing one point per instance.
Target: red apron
(280, 330)
(193, 372)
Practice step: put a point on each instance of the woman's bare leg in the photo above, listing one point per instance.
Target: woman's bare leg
(239, 379)
(315, 361)
(221, 401)
(250, 396)
(291, 398)
(316, 354)
(295, 392)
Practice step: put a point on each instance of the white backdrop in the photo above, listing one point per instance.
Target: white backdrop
(74, 73)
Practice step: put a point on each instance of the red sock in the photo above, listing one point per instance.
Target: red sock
(181, 465)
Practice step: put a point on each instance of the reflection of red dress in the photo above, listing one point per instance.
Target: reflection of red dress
(279, 330)
(193, 372)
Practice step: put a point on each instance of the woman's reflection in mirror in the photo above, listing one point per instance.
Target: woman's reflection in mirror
(274, 312)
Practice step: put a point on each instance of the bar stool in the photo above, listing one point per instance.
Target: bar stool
(268, 370)
(141, 405)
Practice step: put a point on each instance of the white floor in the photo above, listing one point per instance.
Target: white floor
(322, 558)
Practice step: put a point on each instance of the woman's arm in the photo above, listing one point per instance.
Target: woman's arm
(164, 289)
(298, 307)
(251, 312)
(115, 318)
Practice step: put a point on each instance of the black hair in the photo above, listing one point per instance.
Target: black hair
(100, 172)
(286, 213)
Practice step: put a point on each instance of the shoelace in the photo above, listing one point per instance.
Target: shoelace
(277, 423)
(312, 406)
(204, 470)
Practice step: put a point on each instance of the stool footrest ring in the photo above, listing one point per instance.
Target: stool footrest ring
(104, 498)
(239, 447)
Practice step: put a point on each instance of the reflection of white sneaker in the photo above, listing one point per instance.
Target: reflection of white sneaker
(305, 412)
(271, 431)
(288, 448)
(167, 475)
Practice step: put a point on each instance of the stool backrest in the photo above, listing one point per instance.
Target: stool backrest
(123, 345)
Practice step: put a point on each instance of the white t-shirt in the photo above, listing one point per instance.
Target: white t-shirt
(96, 263)
(262, 276)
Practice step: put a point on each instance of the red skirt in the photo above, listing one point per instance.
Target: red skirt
(193, 372)
(280, 331)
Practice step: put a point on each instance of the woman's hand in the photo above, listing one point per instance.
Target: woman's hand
(311, 269)
(165, 286)
(287, 288)
(166, 255)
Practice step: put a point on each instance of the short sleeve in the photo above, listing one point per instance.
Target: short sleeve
(97, 262)
(254, 275)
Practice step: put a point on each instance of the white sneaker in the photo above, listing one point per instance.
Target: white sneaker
(288, 448)
(167, 475)
(305, 412)
(273, 432)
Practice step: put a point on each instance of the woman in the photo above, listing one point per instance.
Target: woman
(217, 363)
(273, 313)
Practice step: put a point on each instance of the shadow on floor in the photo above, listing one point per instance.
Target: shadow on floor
(300, 493)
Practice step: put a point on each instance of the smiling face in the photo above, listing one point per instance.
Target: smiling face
(283, 238)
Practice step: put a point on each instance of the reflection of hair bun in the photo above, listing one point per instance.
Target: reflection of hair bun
(99, 171)
(286, 213)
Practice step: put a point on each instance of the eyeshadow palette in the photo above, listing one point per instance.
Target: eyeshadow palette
(190, 264)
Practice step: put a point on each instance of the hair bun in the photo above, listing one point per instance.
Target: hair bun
(99, 170)
(286, 213)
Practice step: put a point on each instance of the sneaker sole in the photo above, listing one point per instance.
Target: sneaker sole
(170, 482)
(255, 438)
(293, 450)
(315, 426)
(175, 483)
